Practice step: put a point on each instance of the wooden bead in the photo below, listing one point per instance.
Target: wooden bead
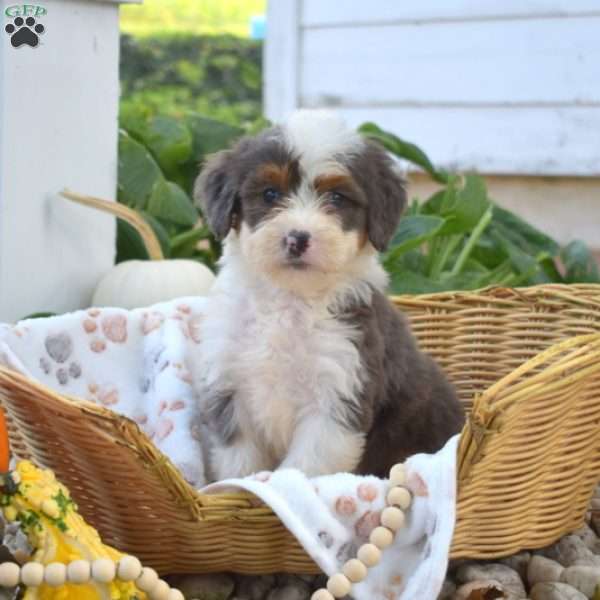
(381, 537)
(79, 571)
(129, 568)
(369, 554)
(392, 518)
(103, 570)
(32, 574)
(175, 595)
(398, 475)
(55, 574)
(160, 591)
(355, 570)
(339, 585)
(147, 580)
(399, 496)
(322, 594)
(9, 574)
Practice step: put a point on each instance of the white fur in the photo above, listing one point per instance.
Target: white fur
(289, 363)
(317, 137)
(272, 338)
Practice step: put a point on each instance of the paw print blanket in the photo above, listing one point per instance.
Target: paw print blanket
(139, 364)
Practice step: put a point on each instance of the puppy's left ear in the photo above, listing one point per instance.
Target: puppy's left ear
(386, 195)
(215, 191)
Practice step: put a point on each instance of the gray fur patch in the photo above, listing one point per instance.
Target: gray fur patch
(219, 416)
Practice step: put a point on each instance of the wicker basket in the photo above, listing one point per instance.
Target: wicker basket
(526, 364)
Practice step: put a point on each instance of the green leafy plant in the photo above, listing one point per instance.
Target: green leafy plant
(159, 159)
(460, 239)
(219, 76)
(456, 239)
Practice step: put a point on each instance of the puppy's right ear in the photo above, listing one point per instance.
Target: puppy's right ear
(215, 191)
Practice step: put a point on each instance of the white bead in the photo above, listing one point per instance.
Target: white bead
(79, 571)
(103, 570)
(369, 554)
(175, 595)
(399, 496)
(9, 574)
(392, 518)
(129, 568)
(32, 574)
(339, 585)
(147, 580)
(322, 594)
(381, 537)
(355, 570)
(160, 591)
(398, 474)
(55, 574)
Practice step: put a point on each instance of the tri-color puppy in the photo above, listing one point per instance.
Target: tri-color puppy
(306, 363)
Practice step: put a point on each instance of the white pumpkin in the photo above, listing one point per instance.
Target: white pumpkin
(136, 283)
(139, 283)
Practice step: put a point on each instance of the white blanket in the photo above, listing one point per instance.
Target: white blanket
(138, 363)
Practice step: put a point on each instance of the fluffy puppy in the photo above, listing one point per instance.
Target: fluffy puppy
(305, 363)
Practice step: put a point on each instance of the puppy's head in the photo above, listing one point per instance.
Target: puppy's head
(306, 201)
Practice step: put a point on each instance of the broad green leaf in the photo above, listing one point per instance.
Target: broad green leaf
(433, 204)
(161, 233)
(138, 172)
(533, 240)
(527, 267)
(411, 233)
(169, 140)
(170, 203)
(580, 264)
(406, 150)
(209, 135)
(464, 207)
(129, 243)
(488, 251)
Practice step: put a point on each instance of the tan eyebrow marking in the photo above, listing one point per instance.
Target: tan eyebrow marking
(276, 175)
(324, 183)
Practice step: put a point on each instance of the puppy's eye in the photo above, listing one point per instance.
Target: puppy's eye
(271, 195)
(336, 199)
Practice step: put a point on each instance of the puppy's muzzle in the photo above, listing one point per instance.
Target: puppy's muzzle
(296, 243)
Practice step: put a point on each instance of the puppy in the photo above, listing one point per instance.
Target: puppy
(306, 364)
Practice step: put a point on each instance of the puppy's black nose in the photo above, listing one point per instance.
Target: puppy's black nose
(296, 242)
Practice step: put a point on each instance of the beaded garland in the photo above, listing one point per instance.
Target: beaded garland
(369, 555)
(101, 570)
(129, 568)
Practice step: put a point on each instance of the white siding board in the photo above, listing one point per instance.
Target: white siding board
(58, 128)
(517, 62)
(318, 13)
(507, 87)
(281, 58)
(562, 141)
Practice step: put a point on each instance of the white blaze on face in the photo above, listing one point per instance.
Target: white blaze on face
(319, 137)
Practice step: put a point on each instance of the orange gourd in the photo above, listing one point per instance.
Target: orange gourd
(4, 445)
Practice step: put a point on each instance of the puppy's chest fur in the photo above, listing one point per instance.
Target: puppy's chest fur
(281, 359)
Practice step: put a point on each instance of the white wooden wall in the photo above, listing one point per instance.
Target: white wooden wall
(501, 86)
(58, 128)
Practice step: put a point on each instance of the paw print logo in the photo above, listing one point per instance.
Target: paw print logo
(24, 31)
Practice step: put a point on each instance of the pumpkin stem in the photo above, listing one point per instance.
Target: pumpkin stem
(127, 214)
